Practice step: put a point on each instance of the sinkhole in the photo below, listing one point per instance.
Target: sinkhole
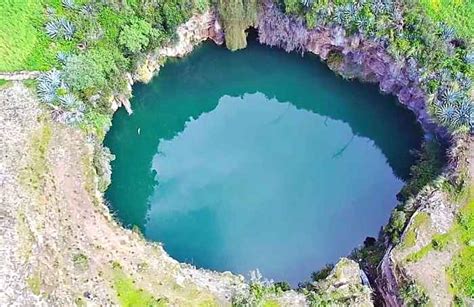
(258, 159)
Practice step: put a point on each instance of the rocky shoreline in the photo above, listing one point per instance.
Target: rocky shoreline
(353, 57)
(350, 56)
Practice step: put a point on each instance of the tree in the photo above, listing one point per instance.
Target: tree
(135, 36)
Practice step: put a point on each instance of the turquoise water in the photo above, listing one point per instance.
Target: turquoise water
(258, 159)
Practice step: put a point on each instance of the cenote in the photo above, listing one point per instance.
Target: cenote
(258, 159)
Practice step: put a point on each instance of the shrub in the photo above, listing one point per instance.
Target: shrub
(48, 85)
(395, 225)
(82, 72)
(426, 170)
(174, 13)
(93, 69)
(413, 295)
(135, 36)
(323, 273)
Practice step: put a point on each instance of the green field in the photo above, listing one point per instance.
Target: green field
(23, 44)
(457, 14)
(461, 270)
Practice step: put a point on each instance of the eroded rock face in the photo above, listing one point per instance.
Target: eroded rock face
(344, 285)
(351, 56)
(190, 34)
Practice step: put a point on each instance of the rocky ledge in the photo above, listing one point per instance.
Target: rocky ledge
(351, 56)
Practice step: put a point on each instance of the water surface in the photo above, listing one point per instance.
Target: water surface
(258, 159)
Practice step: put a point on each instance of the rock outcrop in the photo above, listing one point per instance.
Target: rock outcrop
(344, 286)
(196, 30)
(351, 56)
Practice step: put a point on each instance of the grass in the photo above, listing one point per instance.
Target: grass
(420, 254)
(23, 44)
(461, 271)
(410, 237)
(4, 83)
(34, 283)
(270, 303)
(457, 14)
(34, 174)
(129, 295)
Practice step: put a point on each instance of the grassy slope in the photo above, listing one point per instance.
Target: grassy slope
(23, 44)
(461, 270)
(455, 13)
(458, 14)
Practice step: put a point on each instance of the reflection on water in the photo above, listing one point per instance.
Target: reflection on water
(258, 159)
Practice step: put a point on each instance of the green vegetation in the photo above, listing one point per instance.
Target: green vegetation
(135, 36)
(426, 171)
(413, 295)
(457, 14)
(23, 44)
(428, 167)
(34, 283)
(322, 273)
(128, 294)
(261, 293)
(432, 39)
(461, 270)
(85, 46)
(237, 16)
(80, 261)
(395, 226)
(36, 171)
(460, 238)
(410, 235)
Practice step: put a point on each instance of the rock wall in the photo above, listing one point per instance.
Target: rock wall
(356, 57)
(344, 286)
(439, 212)
(351, 56)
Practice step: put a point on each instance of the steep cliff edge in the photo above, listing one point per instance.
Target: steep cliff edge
(61, 244)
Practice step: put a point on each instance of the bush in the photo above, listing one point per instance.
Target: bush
(135, 36)
(93, 69)
(395, 225)
(322, 273)
(82, 72)
(174, 13)
(426, 170)
(413, 295)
